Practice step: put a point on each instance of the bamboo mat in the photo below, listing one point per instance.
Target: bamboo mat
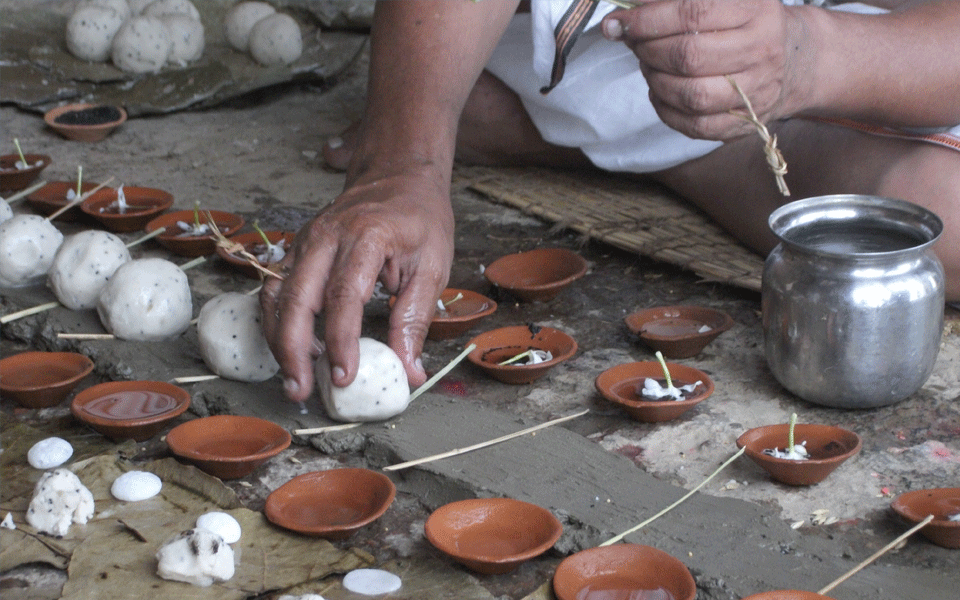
(633, 215)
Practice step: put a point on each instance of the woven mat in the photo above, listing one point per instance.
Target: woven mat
(632, 215)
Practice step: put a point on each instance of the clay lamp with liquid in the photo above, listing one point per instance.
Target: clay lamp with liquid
(643, 390)
(537, 275)
(254, 244)
(330, 504)
(19, 170)
(85, 122)
(458, 311)
(522, 353)
(678, 331)
(787, 595)
(623, 571)
(57, 194)
(492, 535)
(188, 232)
(228, 446)
(127, 208)
(818, 451)
(130, 410)
(42, 379)
(942, 503)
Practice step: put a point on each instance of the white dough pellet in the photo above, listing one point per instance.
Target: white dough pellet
(276, 40)
(121, 6)
(147, 299)
(371, 582)
(186, 38)
(7, 522)
(379, 391)
(28, 244)
(134, 486)
(5, 211)
(231, 338)
(301, 597)
(59, 500)
(142, 45)
(240, 20)
(82, 266)
(158, 8)
(222, 524)
(49, 453)
(196, 556)
(90, 31)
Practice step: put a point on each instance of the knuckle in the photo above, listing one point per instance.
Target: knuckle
(687, 56)
(693, 98)
(694, 12)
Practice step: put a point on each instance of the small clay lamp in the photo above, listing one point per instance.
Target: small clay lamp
(252, 242)
(492, 535)
(13, 179)
(537, 275)
(494, 349)
(85, 122)
(787, 595)
(678, 331)
(462, 310)
(622, 571)
(173, 237)
(942, 503)
(53, 196)
(330, 504)
(827, 446)
(143, 204)
(228, 446)
(130, 410)
(42, 379)
(623, 384)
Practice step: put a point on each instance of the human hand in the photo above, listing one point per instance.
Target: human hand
(396, 228)
(687, 48)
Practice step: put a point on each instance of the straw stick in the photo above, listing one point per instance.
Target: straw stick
(439, 374)
(774, 157)
(191, 264)
(28, 311)
(25, 192)
(876, 555)
(195, 378)
(86, 336)
(326, 429)
(79, 199)
(617, 538)
(498, 440)
(149, 236)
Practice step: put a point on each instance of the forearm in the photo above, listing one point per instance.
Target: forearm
(896, 69)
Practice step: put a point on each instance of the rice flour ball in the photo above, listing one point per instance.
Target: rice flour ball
(83, 265)
(158, 8)
(121, 6)
(141, 46)
(196, 556)
(137, 6)
(90, 32)
(6, 212)
(28, 244)
(186, 38)
(232, 343)
(379, 391)
(241, 19)
(276, 40)
(147, 299)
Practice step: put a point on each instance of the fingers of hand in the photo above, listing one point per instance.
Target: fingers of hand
(410, 320)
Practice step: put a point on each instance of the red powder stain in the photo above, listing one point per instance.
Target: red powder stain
(454, 387)
(630, 451)
(900, 436)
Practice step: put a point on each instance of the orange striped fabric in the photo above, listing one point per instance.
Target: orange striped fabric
(946, 139)
(569, 28)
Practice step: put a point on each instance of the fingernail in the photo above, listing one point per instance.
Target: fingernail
(338, 373)
(334, 142)
(290, 386)
(613, 29)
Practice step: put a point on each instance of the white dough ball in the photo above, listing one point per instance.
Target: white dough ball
(240, 20)
(90, 32)
(121, 6)
(158, 8)
(222, 524)
(137, 6)
(371, 582)
(49, 453)
(134, 486)
(142, 45)
(380, 390)
(186, 38)
(83, 265)
(147, 299)
(196, 556)
(59, 500)
(5, 211)
(276, 40)
(232, 343)
(28, 244)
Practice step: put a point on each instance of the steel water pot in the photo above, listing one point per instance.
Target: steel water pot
(853, 299)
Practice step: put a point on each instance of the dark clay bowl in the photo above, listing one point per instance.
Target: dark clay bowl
(676, 330)
(193, 246)
(619, 570)
(42, 379)
(13, 179)
(537, 275)
(827, 445)
(915, 506)
(53, 196)
(620, 385)
(787, 595)
(250, 241)
(228, 446)
(498, 345)
(82, 133)
(130, 410)
(492, 535)
(330, 504)
(145, 204)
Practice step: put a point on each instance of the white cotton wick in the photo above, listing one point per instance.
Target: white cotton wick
(371, 582)
(704, 329)
(955, 517)
(49, 453)
(798, 452)
(652, 389)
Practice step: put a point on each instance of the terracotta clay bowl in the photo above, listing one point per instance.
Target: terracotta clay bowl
(53, 196)
(228, 446)
(79, 132)
(537, 275)
(460, 316)
(678, 331)
(330, 504)
(492, 535)
(144, 204)
(250, 242)
(915, 506)
(622, 384)
(620, 570)
(130, 410)
(828, 447)
(193, 246)
(13, 179)
(498, 345)
(42, 379)
(787, 595)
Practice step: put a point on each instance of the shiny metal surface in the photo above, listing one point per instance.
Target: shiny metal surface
(853, 299)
